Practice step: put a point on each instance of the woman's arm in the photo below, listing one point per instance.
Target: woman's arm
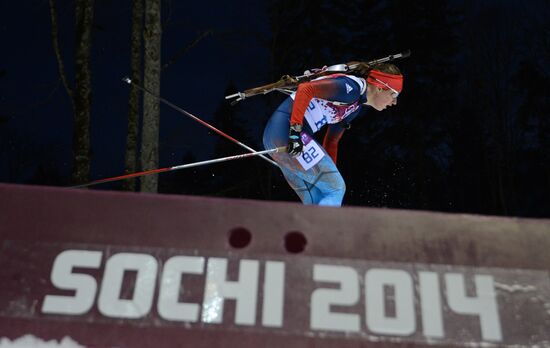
(332, 137)
(341, 89)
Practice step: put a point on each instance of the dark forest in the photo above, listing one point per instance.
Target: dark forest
(470, 132)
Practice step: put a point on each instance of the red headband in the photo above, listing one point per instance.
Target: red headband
(394, 81)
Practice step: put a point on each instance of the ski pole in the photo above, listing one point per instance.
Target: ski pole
(183, 166)
(180, 110)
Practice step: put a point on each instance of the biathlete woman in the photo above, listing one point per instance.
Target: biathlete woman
(332, 101)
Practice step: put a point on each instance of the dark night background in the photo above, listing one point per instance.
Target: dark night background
(469, 134)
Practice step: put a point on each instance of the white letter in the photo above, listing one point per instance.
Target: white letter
(321, 299)
(84, 285)
(404, 322)
(244, 291)
(274, 285)
(430, 304)
(484, 305)
(168, 306)
(109, 302)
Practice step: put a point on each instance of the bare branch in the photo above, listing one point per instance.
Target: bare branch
(55, 41)
(182, 52)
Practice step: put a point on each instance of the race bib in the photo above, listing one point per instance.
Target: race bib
(312, 152)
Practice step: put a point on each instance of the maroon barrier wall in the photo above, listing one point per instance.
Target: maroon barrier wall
(137, 270)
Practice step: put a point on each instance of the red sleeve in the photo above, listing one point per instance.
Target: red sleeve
(332, 137)
(322, 89)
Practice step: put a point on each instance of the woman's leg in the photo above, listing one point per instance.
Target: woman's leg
(322, 184)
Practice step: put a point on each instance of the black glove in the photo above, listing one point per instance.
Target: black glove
(295, 144)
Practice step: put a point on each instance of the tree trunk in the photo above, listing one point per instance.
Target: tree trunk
(133, 102)
(80, 96)
(82, 93)
(151, 77)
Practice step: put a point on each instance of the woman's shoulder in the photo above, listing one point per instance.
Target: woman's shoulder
(346, 78)
(359, 81)
(350, 79)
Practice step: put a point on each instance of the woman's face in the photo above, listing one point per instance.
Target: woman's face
(380, 98)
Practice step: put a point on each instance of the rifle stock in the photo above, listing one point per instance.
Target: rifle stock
(288, 83)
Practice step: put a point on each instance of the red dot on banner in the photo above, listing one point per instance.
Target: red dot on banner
(239, 237)
(295, 242)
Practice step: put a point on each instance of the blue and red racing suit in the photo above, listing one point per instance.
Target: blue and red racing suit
(335, 101)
